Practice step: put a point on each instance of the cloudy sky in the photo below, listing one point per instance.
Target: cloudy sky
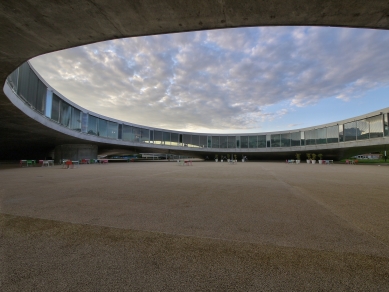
(231, 80)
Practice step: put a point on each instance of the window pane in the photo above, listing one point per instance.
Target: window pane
(145, 135)
(13, 79)
(112, 130)
(376, 126)
(341, 136)
(386, 124)
(92, 125)
(215, 141)
(174, 139)
(295, 139)
(253, 142)
(203, 141)
(65, 114)
(244, 142)
(285, 140)
(321, 136)
(262, 141)
(332, 134)
(187, 140)
(166, 138)
(195, 141)
(76, 120)
(84, 122)
(126, 133)
(158, 137)
(275, 140)
(55, 108)
(310, 137)
(350, 131)
(231, 141)
(223, 141)
(120, 131)
(362, 129)
(302, 136)
(102, 131)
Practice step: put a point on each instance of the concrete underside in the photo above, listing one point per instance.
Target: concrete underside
(210, 226)
(31, 28)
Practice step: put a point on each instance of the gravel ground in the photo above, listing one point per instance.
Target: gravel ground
(211, 226)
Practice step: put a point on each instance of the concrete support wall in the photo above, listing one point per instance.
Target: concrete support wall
(75, 152)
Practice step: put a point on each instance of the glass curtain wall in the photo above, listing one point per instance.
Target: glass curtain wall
(386, 124)
(65, 113)
(223, 141)
(244, 142)
(276, 140)
(321, 136)
(76, 120)
(195, 141)
(175, 139)
(112, 130)
(13, 79)
(187, 140)
(262, 141)
(203, 141)
(92, 125)
(231, 141)
(376, 126)
(145, 135)
(310, 137)
(31, 89)
(158, 139)
(295, 139)
(341, 134)
(102, 128)
(350, 131)
(55, 108)
(166, 138)
(215, 141)
(362, 129)
(332, 134)
(253, 142)
(285, 140)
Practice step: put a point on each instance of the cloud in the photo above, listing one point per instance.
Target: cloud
(221, 78)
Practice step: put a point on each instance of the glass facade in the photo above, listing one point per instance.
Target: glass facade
(285, 140)
(332, 134)
(253, 142)
(295, 139)
(310, 137)
(350, 131)
(376, 126)
(244, 142)
(321, 136)
(262, 141)
(32, 90)
(275, 140)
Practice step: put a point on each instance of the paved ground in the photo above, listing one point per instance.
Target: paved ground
(210, 226)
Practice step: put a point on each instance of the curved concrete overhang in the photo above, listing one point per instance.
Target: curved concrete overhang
(31, 28)
(58, 134)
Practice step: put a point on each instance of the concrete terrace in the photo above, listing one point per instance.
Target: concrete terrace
(210, 226)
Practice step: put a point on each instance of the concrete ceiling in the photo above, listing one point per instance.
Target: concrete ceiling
(33, 27)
